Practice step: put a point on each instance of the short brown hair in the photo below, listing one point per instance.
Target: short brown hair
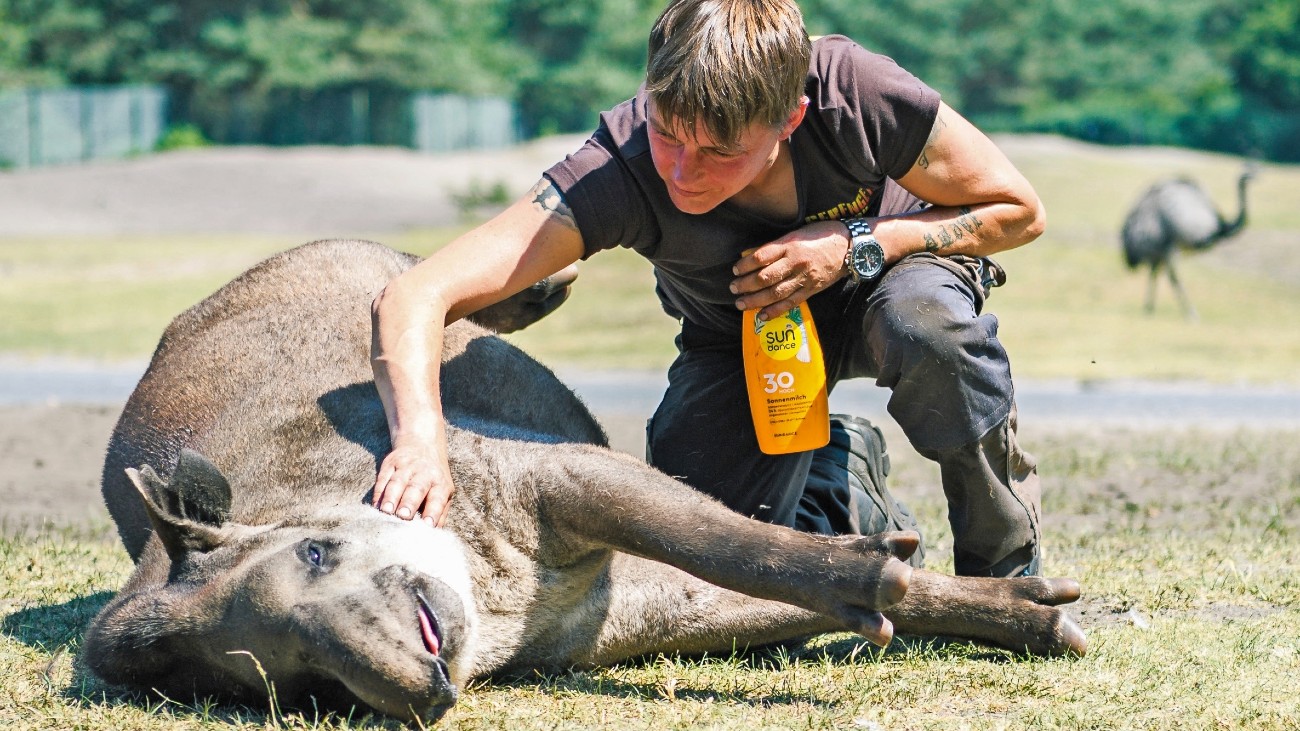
(728, 64)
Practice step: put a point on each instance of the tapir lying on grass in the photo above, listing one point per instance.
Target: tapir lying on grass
(239, 473)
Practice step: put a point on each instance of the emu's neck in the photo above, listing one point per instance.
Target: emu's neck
(1232, 228)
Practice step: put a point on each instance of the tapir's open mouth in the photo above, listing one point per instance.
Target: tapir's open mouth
(429, 629)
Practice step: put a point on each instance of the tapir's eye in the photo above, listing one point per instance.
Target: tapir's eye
(312, 553)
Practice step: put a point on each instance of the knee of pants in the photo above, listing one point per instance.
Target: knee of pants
(950, 376)
(936, 333)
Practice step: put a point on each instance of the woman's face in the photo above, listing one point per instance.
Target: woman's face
(701, 173)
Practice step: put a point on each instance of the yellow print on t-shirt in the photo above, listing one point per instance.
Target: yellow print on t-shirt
(845, 210)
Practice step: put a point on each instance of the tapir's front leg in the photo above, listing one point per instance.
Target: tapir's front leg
(598, 496)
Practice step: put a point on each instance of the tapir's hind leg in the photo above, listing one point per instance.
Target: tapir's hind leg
(1018, 614)
(597, 497)
(652, 608)
(594, 495)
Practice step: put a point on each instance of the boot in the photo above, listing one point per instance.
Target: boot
(846, 492)
(994, 504)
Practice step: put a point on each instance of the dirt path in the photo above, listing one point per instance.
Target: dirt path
(305, 191)
(50, 461)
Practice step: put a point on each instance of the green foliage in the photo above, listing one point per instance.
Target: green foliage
(1218, 74)
(181, 137)
(588, 55)
(478, 198)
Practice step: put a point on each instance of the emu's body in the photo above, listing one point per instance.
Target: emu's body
(1177, 214)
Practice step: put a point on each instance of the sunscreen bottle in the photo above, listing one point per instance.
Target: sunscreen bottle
(786, 379)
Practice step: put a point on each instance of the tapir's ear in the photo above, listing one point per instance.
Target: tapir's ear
(185, 513)
(203, 492)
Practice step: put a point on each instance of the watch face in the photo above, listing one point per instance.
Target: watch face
(868, 259)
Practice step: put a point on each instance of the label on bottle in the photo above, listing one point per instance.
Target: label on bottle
(786, 379)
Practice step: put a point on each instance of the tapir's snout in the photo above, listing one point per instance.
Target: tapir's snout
(395, 645)
(359, 608)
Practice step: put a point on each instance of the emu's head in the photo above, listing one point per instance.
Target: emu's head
(344, 606)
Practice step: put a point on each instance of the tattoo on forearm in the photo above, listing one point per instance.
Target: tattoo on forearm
(948, 234)
(547, 198)
(935, 131)
(968, 220)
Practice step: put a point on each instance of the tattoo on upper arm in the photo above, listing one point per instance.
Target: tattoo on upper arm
(547, 198)
(939, 125)
(948, 234)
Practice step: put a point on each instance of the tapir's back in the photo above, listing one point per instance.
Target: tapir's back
(270, 379)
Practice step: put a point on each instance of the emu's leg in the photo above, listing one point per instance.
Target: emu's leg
(1188, 310)
(1151, 286)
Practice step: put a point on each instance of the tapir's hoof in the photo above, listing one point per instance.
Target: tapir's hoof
(529, 305)
(1074, 643)
(902, 543)
(1063, 637)
(895, 579)
(875, 627)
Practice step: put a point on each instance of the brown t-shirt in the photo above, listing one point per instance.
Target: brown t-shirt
(867, 120)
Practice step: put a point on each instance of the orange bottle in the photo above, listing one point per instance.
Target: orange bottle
(786, 379)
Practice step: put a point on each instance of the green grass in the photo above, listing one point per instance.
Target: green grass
(110, 298)
(1187, 545)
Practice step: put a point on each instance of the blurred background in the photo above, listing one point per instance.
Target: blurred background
(152, 149)
(1218, 75)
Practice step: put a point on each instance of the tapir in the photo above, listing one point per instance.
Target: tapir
(239, 476)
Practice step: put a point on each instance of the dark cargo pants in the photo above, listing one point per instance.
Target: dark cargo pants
(918, 331)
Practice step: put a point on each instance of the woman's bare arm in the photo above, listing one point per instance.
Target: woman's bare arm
(533, 238)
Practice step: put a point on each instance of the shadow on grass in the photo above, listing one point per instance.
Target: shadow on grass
(223, 711)
(907, 647)
(842, 649)
(54, 626)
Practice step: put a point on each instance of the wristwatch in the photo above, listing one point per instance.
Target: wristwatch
(865, 259)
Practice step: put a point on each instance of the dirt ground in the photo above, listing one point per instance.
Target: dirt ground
(304, 191)
(52, 454)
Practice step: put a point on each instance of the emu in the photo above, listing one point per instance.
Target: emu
(1177, 214)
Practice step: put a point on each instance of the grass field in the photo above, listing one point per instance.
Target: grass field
(1187, 542)
(1186, 545)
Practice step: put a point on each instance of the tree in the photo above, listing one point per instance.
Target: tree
(588, 55)
(15, 69)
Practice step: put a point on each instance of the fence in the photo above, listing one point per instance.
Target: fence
(450, 122)
(53, 126)
(421, 120)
